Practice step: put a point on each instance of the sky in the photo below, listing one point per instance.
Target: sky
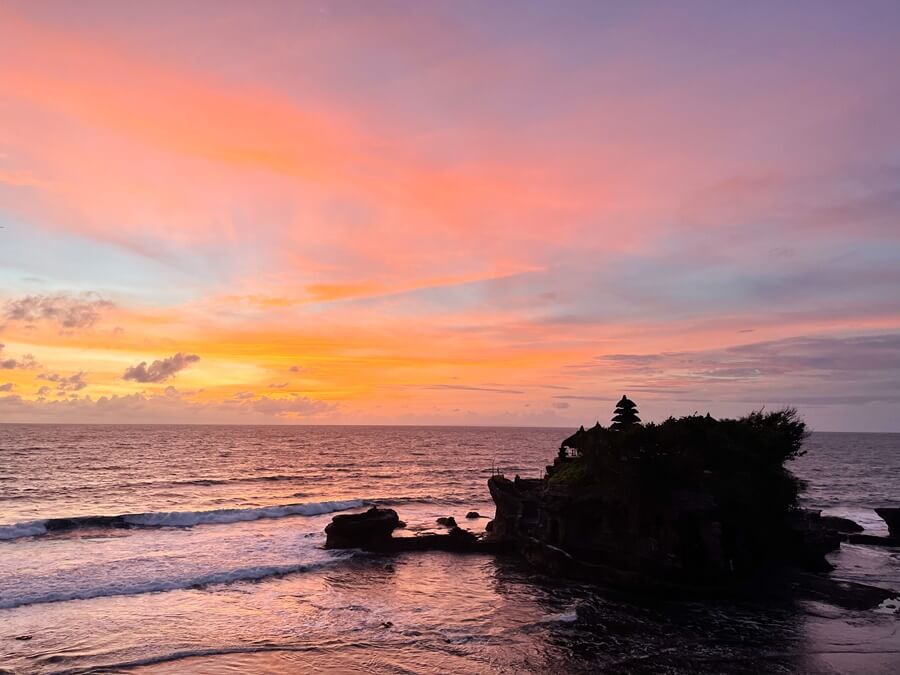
(449, 212)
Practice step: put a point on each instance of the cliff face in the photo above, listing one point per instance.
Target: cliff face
(623, 529)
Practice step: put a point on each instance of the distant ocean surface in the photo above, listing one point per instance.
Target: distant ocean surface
(198, 549)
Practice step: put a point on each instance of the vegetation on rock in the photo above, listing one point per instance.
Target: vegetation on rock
(742, 458)
(738, 463)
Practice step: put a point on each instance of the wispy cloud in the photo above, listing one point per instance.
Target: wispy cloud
(144, 407)
(467, 387)
(26, 362)
(68, 312)
(74, 382)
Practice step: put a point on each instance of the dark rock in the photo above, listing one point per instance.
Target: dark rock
(449, 521)
(621, 529)
(456, 541)
(463, 535)
(842, 593)
(489, 527)
(372, 531)
(809, 539)
(842, 525)
(891, 515)
(23, 637)
(518, 505)
(873, 540)
(361, 530)
(473, 514)
(387, 624)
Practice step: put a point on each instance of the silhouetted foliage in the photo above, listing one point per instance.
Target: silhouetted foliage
(738, 461)
(625, 414)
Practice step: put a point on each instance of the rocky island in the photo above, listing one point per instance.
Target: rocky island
(690, 503)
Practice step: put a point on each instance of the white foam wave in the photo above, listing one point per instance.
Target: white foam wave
(36, 528)
(562, 617)
(220, 516)
(162, 585)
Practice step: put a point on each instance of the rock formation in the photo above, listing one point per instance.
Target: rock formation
(891, 515)
(693, 503)
(694, 500)
(370, 529)
(373, 530)
(842, 525)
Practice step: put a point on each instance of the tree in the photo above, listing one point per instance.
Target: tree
(625, 415)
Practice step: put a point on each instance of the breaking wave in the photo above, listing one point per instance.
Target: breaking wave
(36, 528)
(162, 585)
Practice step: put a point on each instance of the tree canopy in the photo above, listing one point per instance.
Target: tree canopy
(741, 461)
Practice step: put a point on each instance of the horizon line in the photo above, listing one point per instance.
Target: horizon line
(349, 425)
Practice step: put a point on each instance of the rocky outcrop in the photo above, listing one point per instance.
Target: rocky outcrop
(842, 525)
(517, 506)
(448, 521)
(624, 531)
(891, 515)
(373, 530)
(809, 538)
(872, 540)
(370, 529)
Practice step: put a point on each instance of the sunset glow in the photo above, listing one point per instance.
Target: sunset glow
(448, 213)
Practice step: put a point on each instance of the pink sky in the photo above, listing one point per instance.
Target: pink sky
(448, 213)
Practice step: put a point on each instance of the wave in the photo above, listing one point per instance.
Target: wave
(187, 654)
(427, 499)
(163, 585)
(36, 528)
(201, 482)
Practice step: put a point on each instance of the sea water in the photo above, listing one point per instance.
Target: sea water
(173, 549)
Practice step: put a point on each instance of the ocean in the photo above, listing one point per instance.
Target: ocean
(198, 549)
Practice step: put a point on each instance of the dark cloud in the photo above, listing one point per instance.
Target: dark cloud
(160, 370)
(27, 362)
(295, 369)
(69, 312)
(278, 385)
(9, 386)
(71, 383)
(243, 395)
